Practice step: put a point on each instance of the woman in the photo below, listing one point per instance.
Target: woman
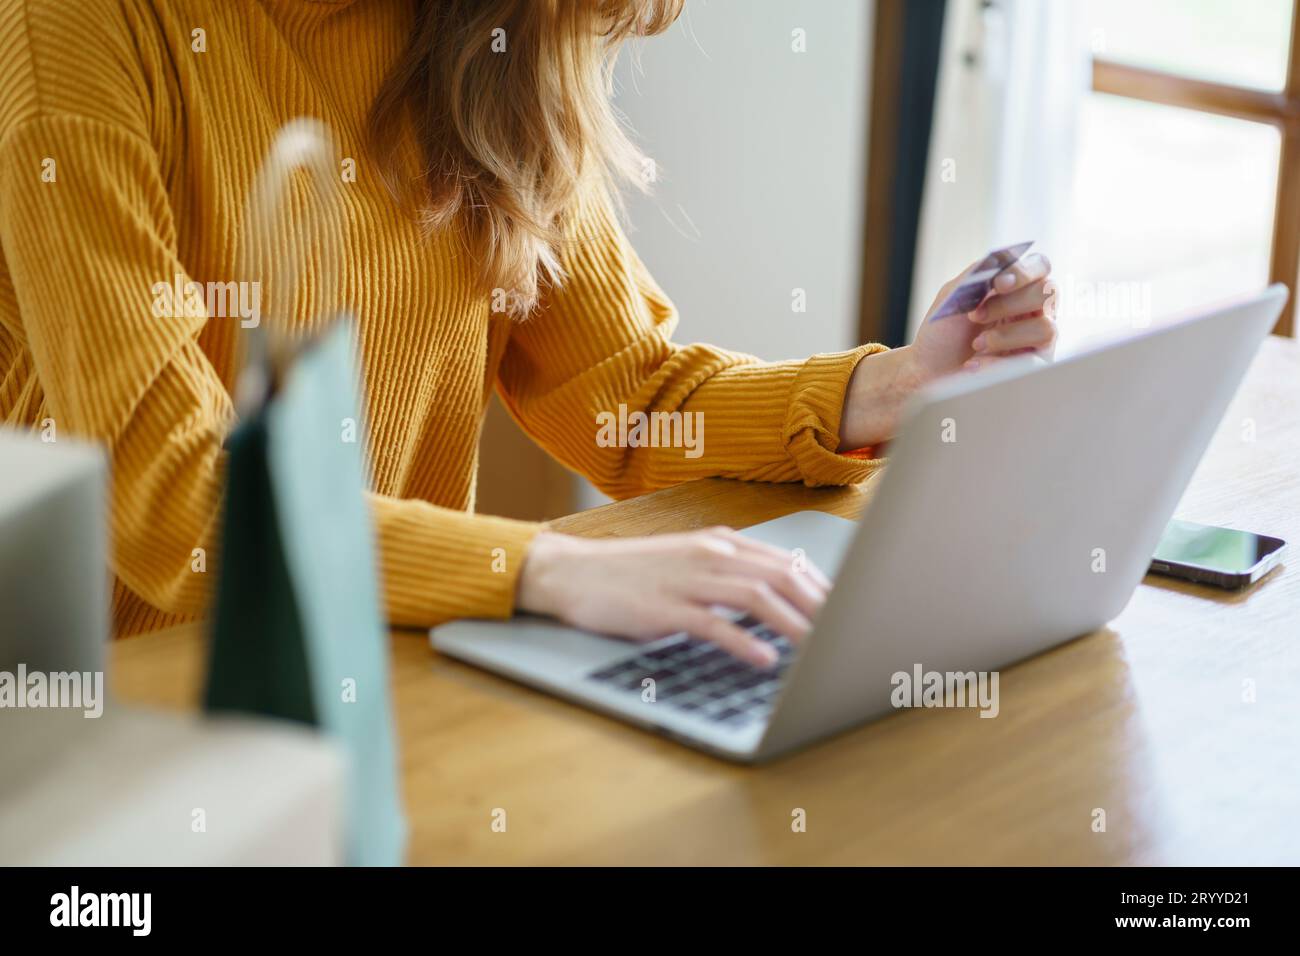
(483, 155)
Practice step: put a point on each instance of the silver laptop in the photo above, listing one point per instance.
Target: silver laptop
(1020, 509)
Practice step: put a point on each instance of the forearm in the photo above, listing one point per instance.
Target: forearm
(439, 563)
(875, 398)
(725, 415)
(168, 470)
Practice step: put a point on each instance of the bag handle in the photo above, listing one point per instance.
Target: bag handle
(301, 145)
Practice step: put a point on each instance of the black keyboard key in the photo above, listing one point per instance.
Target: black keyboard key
(668, 652)
(613, 670)
(696, 676)
(734, 666)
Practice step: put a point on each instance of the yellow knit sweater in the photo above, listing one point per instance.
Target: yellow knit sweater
(128, 141)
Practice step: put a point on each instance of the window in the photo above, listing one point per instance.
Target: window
(1189, 164)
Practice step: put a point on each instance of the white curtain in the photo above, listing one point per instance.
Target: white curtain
(1001, 166)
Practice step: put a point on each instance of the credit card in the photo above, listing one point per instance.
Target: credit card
(977, 283)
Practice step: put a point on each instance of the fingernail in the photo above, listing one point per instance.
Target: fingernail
(972, 365)
(979, 343)
(765, 655)
(1006, 280)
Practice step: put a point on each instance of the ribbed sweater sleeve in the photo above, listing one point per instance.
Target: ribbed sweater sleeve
(122, 158)
(85, 252)
(602, 340)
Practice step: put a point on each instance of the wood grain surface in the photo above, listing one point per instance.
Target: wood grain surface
(1149, 720)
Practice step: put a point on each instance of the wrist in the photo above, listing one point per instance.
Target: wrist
(876, 395)
(539, 589)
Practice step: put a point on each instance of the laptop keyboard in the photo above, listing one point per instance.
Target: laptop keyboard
(703, 679)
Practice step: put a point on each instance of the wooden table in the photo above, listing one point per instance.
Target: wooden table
(1150, 720)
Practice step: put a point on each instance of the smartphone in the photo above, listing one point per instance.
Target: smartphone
(1220, 556)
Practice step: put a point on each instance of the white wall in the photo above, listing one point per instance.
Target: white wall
(760, 157)
(760, 153)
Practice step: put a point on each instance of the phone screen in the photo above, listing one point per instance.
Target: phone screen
(1216, 549)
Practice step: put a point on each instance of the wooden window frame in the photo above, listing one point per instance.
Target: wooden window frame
(882, 144)
(1280, 110)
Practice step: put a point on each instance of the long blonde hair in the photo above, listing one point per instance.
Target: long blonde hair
(509, 101)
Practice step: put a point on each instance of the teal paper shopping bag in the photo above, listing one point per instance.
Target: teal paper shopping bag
(297, 630)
